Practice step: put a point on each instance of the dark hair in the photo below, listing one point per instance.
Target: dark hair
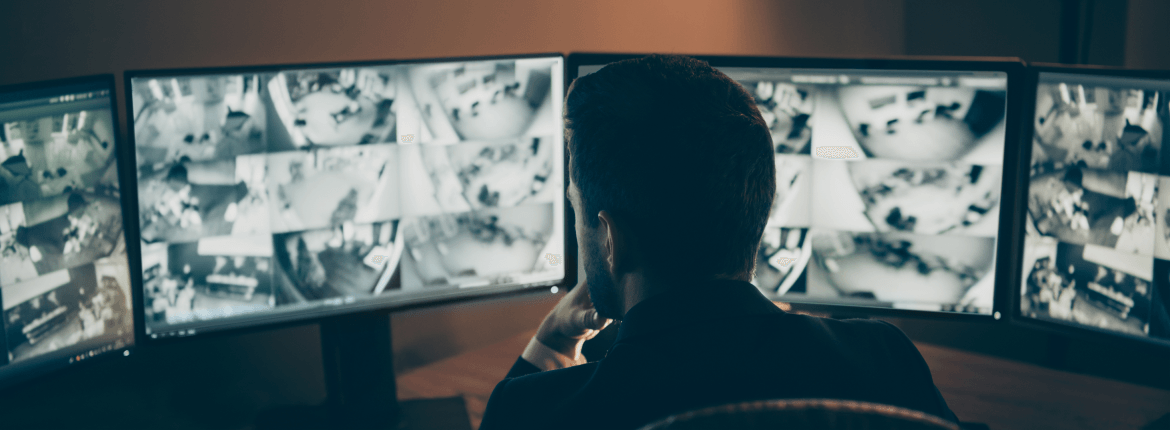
(679, 151)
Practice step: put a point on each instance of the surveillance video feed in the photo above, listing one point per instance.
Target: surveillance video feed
(190, 200)
(54, 155)
(1098, 127)
(896, 196)
(349, 260)
(1093, 207)
(914, 271)
(64, 274)
(1096, 252)
(1088, 285)
(479, 175)
(888, 186)
(287, 194)
(329, 187)
(781, 259)
(497, 246)
(922, 122)
(207, 279)
(199, 118)
(335, 107)
(480, 100)
(87, 305)
(786, 108)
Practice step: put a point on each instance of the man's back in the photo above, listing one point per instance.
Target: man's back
(712, 344)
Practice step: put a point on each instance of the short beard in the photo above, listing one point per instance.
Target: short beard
(602, 290)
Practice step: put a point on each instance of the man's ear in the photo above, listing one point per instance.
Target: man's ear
(618, 247)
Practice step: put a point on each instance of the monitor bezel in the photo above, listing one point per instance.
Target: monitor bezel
(49, 366)
(292, 320)
(1014, 68)
(1015, 314)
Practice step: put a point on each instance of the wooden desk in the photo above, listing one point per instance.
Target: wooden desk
(1001, 393)
(472, 375)
(1006, 394)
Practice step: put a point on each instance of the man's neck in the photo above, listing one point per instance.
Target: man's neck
(639, 286)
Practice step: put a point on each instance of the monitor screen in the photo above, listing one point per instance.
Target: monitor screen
(64, 274)
(1097, 244)
(888, 185)
(283, 194)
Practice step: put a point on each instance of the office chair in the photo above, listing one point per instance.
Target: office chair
(803, 414)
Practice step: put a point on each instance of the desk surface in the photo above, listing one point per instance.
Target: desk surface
(1002, 393)
(472, 375)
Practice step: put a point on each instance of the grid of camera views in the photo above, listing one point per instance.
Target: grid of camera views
(64, 277)
(294, 191)
(1097, 248)
(888, 186)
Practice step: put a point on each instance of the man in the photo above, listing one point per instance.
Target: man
(671, 180)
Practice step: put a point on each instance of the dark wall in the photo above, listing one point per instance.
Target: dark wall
(990, 28)
(169, 385)
(1146, 35)
(1050, 31)
(57, 38)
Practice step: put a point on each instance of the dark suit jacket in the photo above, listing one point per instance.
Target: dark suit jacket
(710, 344)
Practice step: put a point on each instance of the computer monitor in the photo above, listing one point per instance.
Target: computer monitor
(890, 175)
(1096, 243)
(64, 273)
(285, 193)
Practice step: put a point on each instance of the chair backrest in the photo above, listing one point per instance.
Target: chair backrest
(803, 414)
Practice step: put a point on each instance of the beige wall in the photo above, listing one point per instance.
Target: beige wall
(57, 39)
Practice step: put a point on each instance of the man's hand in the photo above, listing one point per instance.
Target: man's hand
(572, 322)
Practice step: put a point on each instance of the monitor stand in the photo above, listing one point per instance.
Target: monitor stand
(361, 392)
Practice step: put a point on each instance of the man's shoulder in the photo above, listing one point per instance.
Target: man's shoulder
(863, 325)
(524, 402)
(883, 364)
(843, 329)
(548, 384)
(878, 342)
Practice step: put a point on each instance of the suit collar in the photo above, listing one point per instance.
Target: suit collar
(689, 304)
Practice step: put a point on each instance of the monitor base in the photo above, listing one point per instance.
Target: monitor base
(361, 392)
(449, 413)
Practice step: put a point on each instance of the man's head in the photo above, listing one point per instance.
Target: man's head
(672, 174)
